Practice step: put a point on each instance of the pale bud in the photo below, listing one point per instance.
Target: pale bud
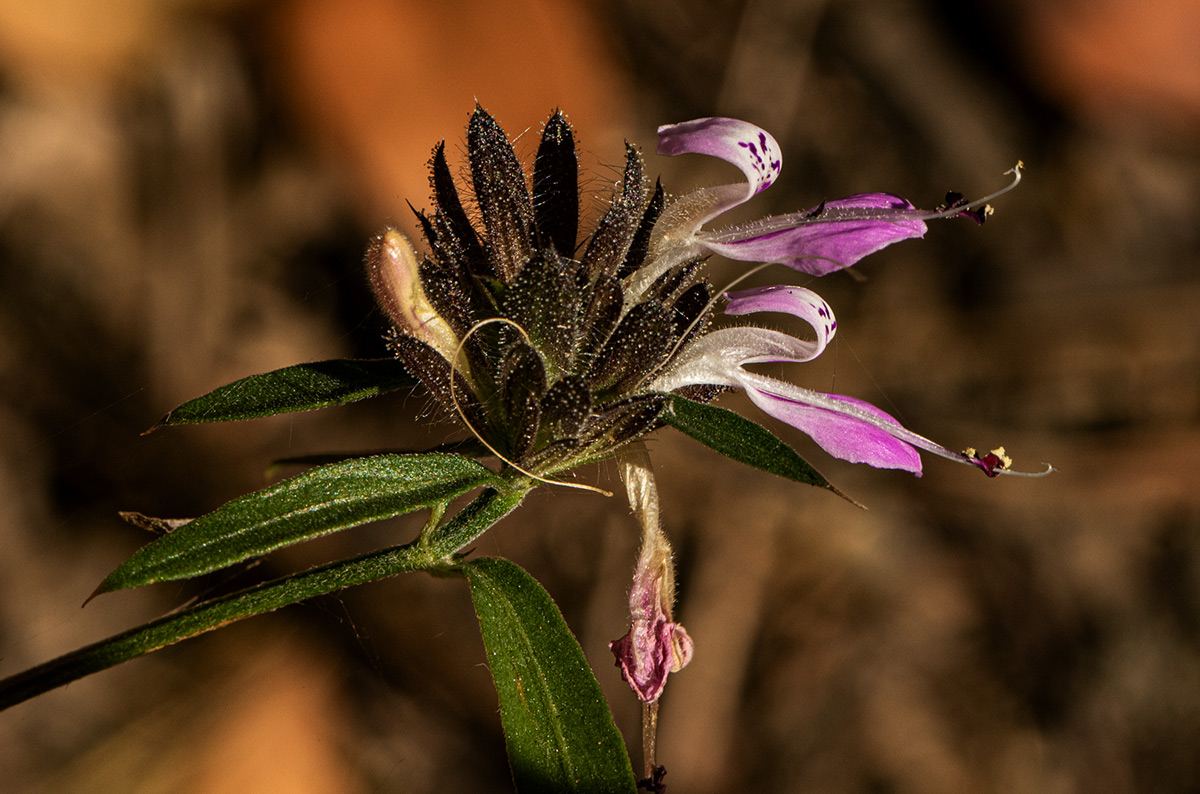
(395, 277)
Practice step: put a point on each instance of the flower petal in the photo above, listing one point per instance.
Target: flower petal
(750, 148)
(648, 653)
(846, 428)
(675, 237)
(786, 299)
(717, 357)
(830, 237)
(859, 432)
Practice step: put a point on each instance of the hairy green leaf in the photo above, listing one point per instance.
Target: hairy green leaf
(736, 437)
(559, 731)
(302, 387)
(485, 510)
(319, 501)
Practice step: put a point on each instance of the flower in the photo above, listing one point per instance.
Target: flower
(555, 353)
(834, 235)
(844, 427)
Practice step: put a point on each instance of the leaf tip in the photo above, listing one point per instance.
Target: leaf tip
(100, 590)
(849, 499)
(166, 420)
(119, 579)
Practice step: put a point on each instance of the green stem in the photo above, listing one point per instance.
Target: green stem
(471, 522)
(485, 510)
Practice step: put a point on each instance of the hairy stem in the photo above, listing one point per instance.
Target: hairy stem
(649, 737)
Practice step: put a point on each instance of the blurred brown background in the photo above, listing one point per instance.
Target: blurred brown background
(185, 192)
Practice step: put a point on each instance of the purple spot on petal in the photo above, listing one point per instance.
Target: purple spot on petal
(766, 170)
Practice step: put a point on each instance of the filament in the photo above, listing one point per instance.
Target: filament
(455, 368)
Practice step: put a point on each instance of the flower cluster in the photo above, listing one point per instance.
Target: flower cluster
(555, 352)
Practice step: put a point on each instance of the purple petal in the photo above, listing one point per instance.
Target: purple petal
(750, 148)
(830, 237)
(648, 653)
(859, 432)
(786, 299)
(717, 358)
(840, 426)
(844, 427)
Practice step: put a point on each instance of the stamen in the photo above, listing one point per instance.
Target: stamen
(998, 462)
(977, 209)
(454, 367)
(1011, 473)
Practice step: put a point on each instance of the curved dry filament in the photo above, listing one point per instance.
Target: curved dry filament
(455, 368)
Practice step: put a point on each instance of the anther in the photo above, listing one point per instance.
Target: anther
(978, 209)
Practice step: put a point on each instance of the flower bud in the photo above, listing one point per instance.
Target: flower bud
(396, 279)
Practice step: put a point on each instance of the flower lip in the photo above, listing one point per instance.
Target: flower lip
(796, 301)
(751, 148)
(834, 235)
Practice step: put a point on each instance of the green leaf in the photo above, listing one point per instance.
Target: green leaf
(484, 511)
(319, 501)
(736, 437)
(470, 447)
(559, 731)
(302, 387)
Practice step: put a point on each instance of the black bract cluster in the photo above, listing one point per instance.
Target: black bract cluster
(564, 376)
